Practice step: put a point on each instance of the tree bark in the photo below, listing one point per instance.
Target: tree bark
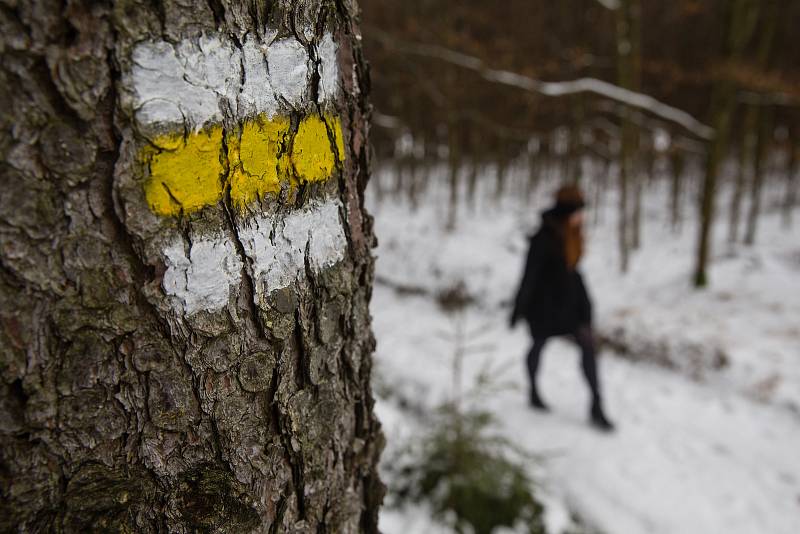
(790, 196)
(186, 269)
(472, 183)
(627, 65)
(743, 19)
(764, 123)
(677, 164)
(575, 152)
(676, 195)
(534, 174)
(454, 166)
(416, 170)
(643, 172)
(501, 168)
(634, 8)
(748, 147)
(761, 157)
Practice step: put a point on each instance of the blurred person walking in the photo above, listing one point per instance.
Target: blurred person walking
(553, 299)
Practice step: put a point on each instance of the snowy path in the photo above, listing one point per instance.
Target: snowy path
(686, 458)
(716, 455)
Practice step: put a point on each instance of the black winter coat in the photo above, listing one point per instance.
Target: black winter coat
(552, 298)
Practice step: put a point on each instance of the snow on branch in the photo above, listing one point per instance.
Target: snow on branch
(554, 89)
(610, 4)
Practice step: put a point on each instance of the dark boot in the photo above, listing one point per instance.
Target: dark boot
(533, 367)
(599, 419)
(537, 403)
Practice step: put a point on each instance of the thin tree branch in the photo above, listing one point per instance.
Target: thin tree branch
(610, 4)
(552, 89)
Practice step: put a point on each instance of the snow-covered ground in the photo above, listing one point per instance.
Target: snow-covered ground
(699, 449)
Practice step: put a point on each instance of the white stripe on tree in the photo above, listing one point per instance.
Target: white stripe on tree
(190, 82)
(328, 69)
(201, 280)
(288, 70)
(274, 246)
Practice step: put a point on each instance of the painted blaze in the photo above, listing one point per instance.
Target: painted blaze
(240, 120)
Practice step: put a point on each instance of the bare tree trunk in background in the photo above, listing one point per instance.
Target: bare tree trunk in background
(564, 165)
(473, 162)
(424, 169)
(624, 173)
(600, 185)
(532, 183)
(651, 164)
(552, 166)
(761, 157)
(636, 210)
(502, 175)
(626, 76)
(413, 185)
(161, 371)
(472, 183)
(576, 151)
(764, 126)
(544, 158)
(644, 174)
(400, 177)
(743, 20)
(454, 160)
(790, 196)
(634, 8)
(746, 156)
(678, 165)
(378, 181)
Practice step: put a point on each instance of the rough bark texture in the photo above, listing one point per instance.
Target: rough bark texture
(133, 398)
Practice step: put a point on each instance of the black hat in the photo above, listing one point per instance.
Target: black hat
(569, 199)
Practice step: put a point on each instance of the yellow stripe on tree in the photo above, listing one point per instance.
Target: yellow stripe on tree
(311, 154)
(187, 173)
(254, 160)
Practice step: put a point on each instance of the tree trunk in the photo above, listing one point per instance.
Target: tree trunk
(186, 269)
(761, 121)
(764, 124)
(601, 170)
(627, 78)
(764, 137)
(642, 173)
(576, 151)
(472, 183)
(743, 18)
(678, 164)
(378, 182)
(790, 196)
(534, 174)
(454, 164)
(413, 180)
(502, 172)
(634, 8)
(400, 177)
(745, 158)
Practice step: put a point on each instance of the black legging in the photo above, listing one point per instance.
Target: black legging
(585, 340)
